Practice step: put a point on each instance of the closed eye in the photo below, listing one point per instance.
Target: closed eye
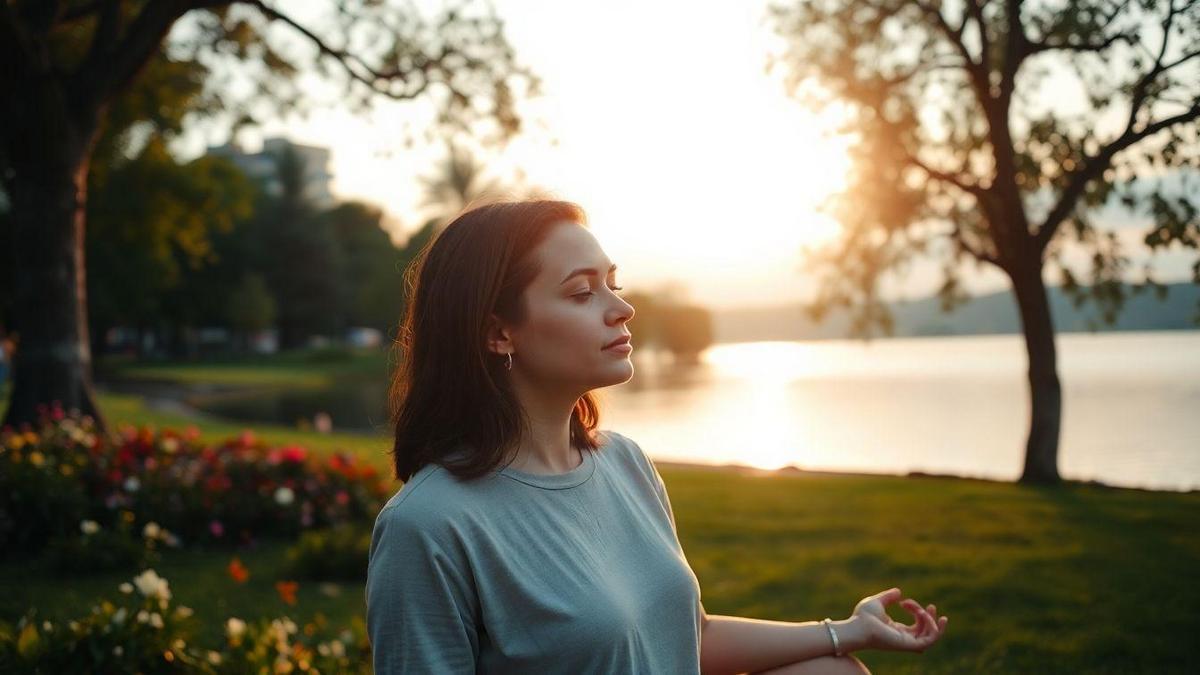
(589, 293)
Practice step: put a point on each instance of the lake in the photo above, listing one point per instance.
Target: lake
(952, 405)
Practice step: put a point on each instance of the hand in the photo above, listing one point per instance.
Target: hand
(879, 631)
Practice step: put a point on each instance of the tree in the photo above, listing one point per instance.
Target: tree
(67, 62)
(251, 309)
(151, 223)
(456, 182)
(957, 144)
(303, 260)
(371, 264)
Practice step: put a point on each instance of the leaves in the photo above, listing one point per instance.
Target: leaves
(949, 91)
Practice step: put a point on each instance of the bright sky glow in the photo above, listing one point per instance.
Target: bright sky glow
(693, 164)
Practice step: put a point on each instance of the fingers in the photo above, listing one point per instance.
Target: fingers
(940, 621)
(925, 625)
(889, 596)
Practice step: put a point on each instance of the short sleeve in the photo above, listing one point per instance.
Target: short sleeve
(660, 488)
(421, 606)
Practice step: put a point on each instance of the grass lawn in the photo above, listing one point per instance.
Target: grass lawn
(1079, 578)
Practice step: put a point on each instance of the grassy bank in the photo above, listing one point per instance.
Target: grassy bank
(298, 368)
(1078, 578)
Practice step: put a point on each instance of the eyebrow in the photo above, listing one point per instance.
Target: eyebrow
(590, 271)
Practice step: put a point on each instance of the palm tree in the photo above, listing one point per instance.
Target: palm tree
(457, 182)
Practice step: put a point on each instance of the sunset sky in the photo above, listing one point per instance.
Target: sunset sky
(695, 167)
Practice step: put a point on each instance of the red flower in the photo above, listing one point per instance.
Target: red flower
(287, 591)
(238, 571)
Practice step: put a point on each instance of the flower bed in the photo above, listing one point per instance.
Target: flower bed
(138, 630)
(55, 477)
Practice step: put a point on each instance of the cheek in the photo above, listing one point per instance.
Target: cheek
(567, 325)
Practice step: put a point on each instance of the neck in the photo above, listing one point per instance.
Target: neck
(548, 448)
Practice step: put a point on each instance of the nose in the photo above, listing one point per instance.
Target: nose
(624, 311)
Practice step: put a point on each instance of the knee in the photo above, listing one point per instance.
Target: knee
(843, 665)
(823, 665)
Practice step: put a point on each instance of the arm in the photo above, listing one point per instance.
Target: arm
(731, 644)
(421, 605)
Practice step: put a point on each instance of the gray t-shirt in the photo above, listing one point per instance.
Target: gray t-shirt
(579, 572)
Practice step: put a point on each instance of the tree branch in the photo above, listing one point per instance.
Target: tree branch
(370, 78)
(98, 80)
(1037, 47)
(1143, 85)
(976, 12)
(1091, 167)
(976, 69)
(959, 239)
(948, 178)
(108, 28)
(16, 51)
(82, 11)
(38, 15)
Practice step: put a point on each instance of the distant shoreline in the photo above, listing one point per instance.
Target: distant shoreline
(797, 472)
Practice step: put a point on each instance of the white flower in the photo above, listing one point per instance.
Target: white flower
(151, 530)
(47, 626)
(118, 650)
(170, 445)
(235, 627)
(126, 587)
(143, 616)
(89, 527)
(284, 496)
(118, 616)
(73, 625)
(338, 649)
(132, 484)
(183, 611)
(323, 649)
(156, 620)
(214, 658)
(151, 585)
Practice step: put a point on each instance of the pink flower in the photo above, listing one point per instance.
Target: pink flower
(216, 528)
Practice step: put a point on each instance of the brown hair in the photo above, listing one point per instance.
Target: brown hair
(449, 391)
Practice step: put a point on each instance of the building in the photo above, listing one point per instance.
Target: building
(262, 166)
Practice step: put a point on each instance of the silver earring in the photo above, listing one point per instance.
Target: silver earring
(509, 361)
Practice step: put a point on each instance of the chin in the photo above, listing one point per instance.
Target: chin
(621, 374)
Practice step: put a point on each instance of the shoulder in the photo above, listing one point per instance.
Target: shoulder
(627, 451)
(428, 505)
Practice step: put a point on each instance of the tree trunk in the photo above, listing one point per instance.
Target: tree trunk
(1045, 393)
(53, 362)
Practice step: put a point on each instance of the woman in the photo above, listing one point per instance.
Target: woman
(524, 539)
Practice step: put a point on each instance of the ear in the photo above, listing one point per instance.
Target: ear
(498, 339)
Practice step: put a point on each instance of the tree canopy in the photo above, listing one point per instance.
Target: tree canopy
(967, 136)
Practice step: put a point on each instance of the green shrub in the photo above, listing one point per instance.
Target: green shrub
(329, 355)
(337, 553)
(40, 495)
(98, 549)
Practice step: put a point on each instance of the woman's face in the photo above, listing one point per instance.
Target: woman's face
(570, 316)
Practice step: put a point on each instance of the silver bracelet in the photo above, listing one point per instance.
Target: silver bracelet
(837, 650)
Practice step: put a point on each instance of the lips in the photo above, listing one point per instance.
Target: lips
(624, 339)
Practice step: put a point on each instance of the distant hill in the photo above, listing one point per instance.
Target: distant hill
(995, 313)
